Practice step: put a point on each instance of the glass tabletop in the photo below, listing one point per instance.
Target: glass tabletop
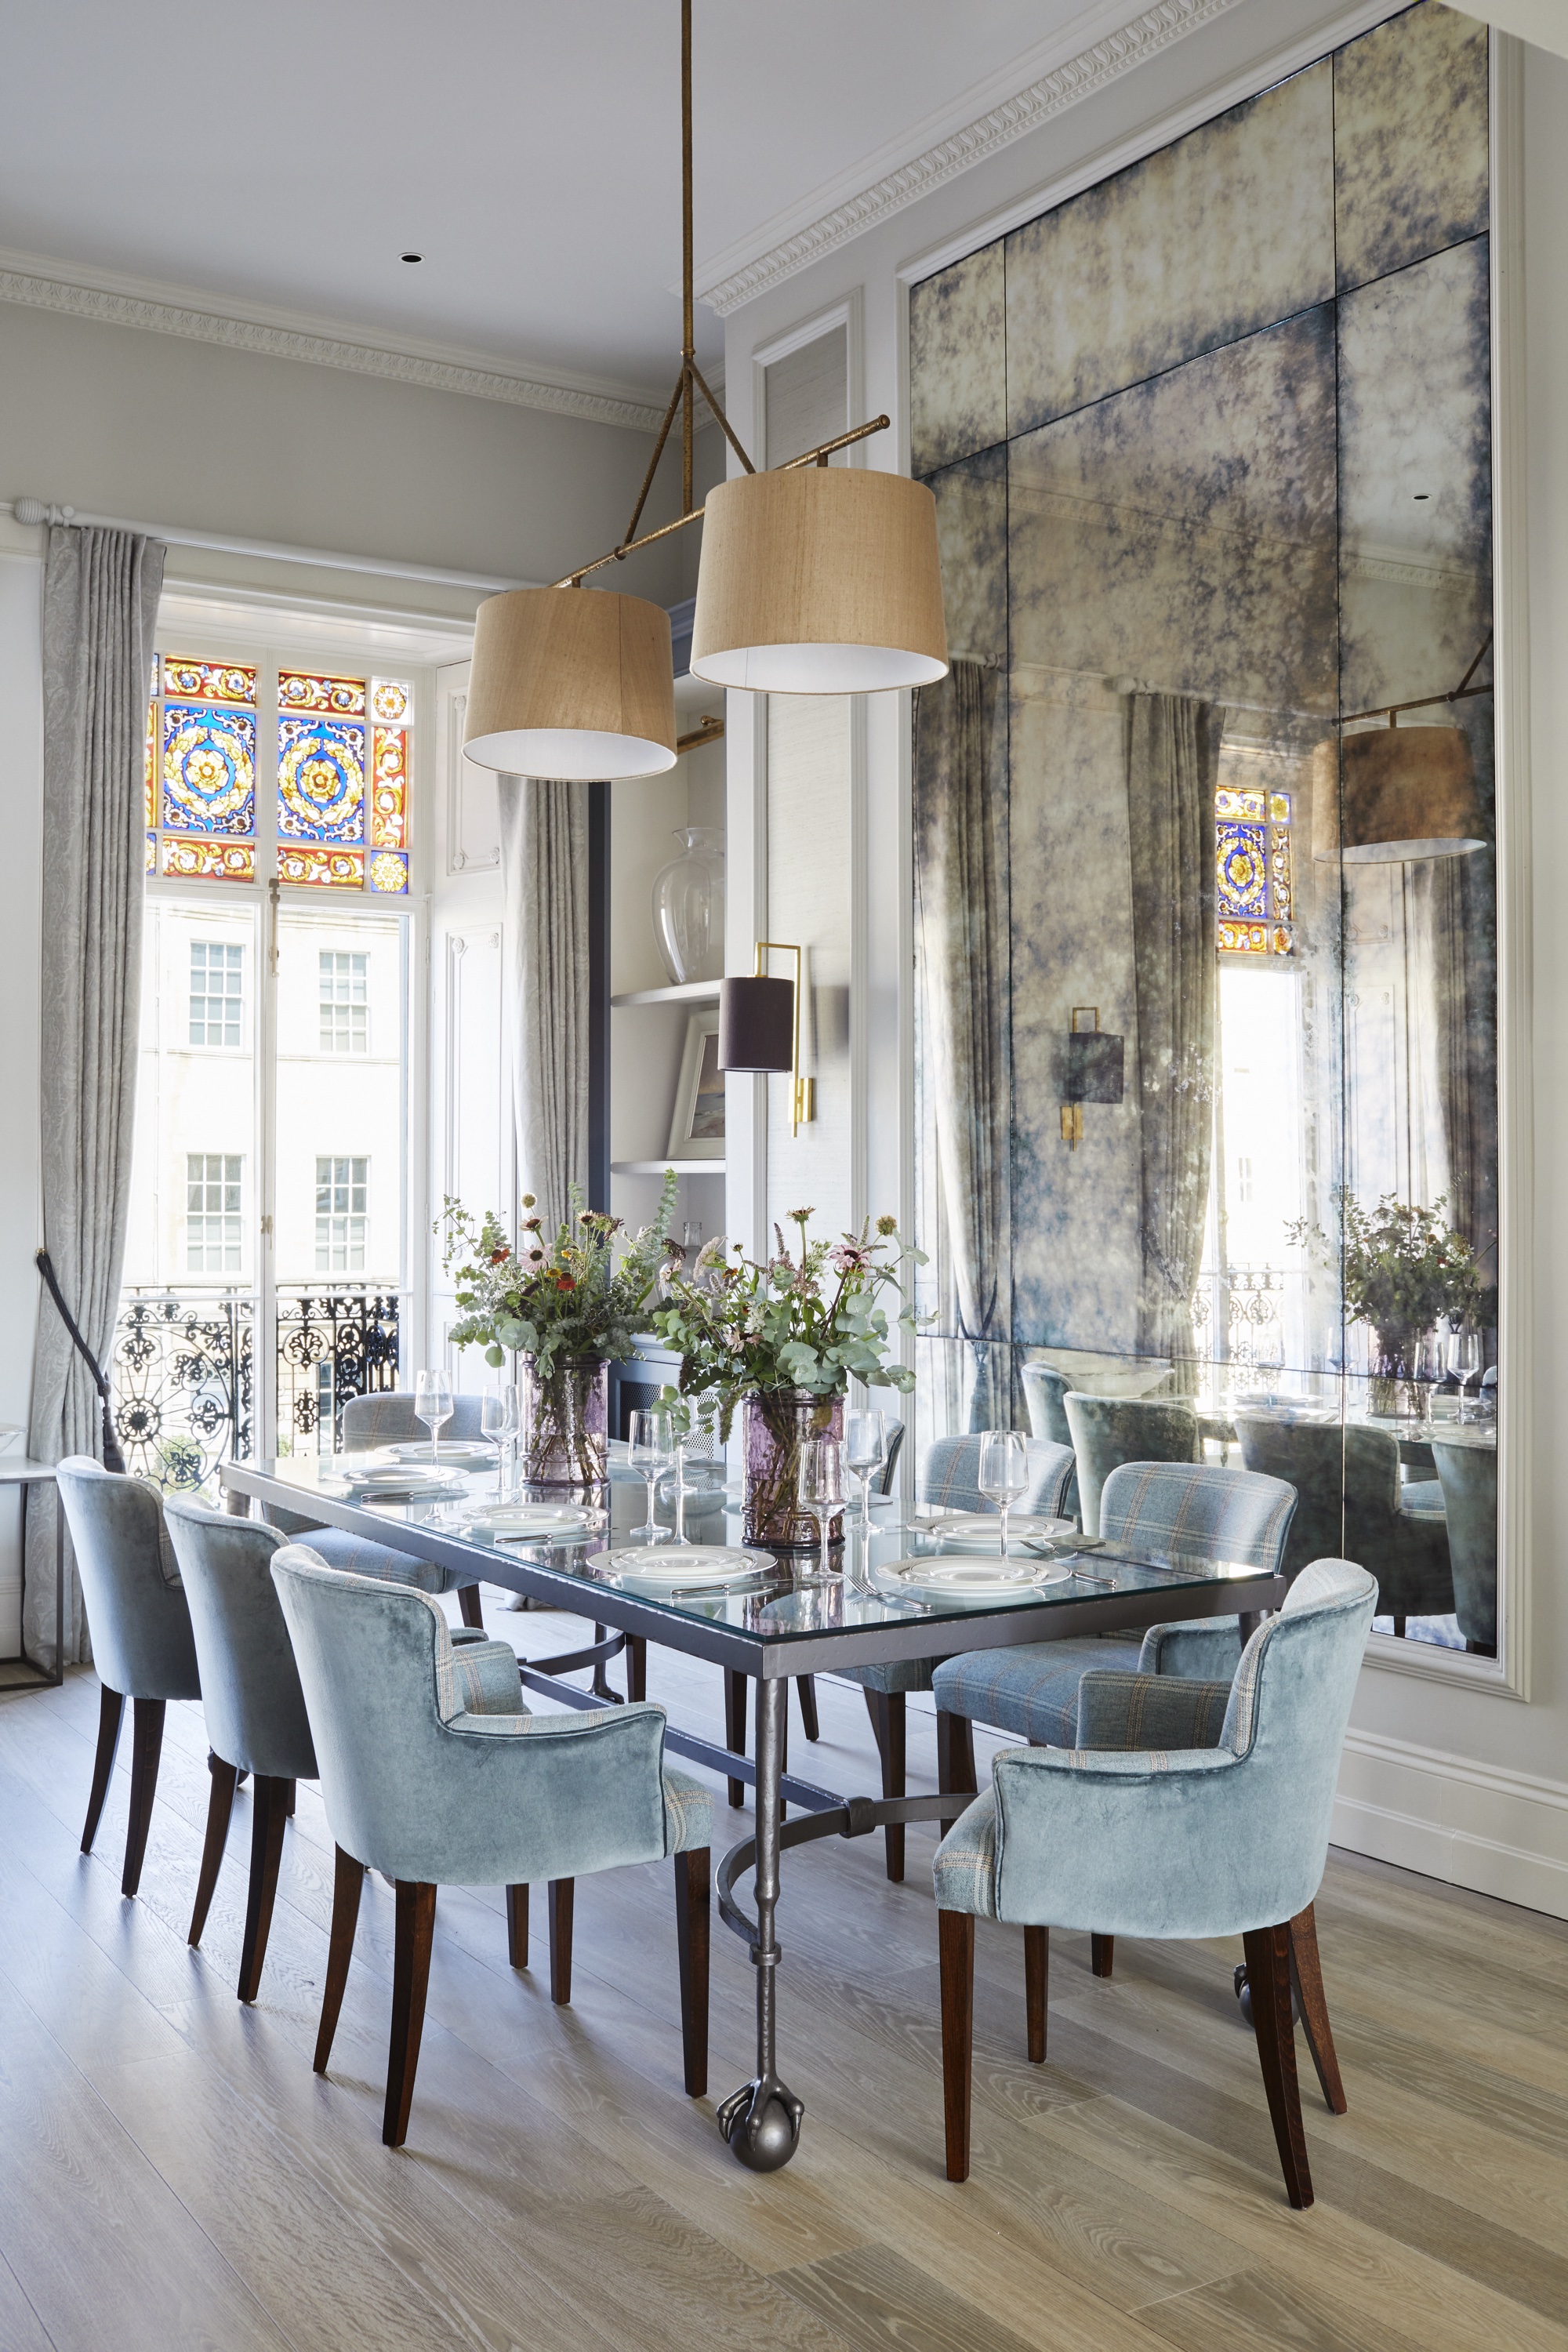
(916, 1564)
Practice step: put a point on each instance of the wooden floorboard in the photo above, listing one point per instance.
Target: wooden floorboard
(173, 2175)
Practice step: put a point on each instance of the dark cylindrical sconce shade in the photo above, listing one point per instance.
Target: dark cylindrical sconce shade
(1395, 793)
(756, 1024)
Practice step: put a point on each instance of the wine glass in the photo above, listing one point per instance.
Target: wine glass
(820, 1488)
(865, 1452)
(697, 1448)
(1428, 1369)
(1465, 1363)
(498, 1422)
(651, 1452)
(433, 1406)
(1004, 1471)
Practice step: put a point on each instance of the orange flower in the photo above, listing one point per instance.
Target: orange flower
(499, 1257)
(564, 1282)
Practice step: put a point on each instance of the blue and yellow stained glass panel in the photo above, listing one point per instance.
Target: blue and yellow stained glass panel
(209, 861)
(1241, 868)
(391, 701)
(388, 872)
(388, 807)
(327, 869)
(209, 770)
(334, 698)
(200, 681)
(321, 780)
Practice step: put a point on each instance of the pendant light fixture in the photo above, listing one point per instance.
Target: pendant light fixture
(1398, 791)
(812, 581)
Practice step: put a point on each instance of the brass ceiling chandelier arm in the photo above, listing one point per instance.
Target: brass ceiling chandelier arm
(1462, 692)
(717, 406)
(629, 537)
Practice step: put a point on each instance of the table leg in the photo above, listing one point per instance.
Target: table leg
(762, 2119)
(59, 1673)
(236, 1504)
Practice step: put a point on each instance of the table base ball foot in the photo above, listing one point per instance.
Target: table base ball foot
(762, 2123)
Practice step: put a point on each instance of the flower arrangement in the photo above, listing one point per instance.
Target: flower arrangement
(574, 1296)
(1400, 1268)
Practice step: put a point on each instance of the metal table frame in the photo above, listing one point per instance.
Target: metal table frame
(16, 1470)
(761, 2120)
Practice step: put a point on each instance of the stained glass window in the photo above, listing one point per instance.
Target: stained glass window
(321, 779)
(209, 681)
(1254, 896)
(334, 869)
(209, 771)
(341, 697)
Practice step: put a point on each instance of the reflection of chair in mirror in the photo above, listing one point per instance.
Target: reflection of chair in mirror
(1044, 1389)
(1110, 1431)
(1347, 1481)
(1468, 1476)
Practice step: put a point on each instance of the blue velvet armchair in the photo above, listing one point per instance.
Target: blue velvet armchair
(1198, 1836)
(141, 1629)
(256, 1715)
(419, 1785)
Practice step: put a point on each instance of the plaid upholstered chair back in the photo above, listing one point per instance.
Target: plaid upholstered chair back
(389, 1418)
(1200, 1509)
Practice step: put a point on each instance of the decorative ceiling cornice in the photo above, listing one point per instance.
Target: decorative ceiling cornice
(1076, 78)
(122, 308)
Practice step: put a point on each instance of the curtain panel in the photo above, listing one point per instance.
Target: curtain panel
(544, 878)
(101, 604)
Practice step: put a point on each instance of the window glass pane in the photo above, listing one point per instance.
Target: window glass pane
(331, 869)
(345, 1001)
(340, 1097)
(321, 780)
(213, 1219)
(209, 770)
(388, 828)
(218, 970)
(208, 681)
(300, 690)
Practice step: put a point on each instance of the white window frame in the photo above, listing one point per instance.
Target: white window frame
(227, 948)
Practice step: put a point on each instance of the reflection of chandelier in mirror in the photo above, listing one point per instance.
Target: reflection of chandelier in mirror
(1400, 791)
(814, 579)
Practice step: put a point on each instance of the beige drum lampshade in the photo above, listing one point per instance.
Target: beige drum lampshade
(575, 683)
(1409, 792)
(823, 580)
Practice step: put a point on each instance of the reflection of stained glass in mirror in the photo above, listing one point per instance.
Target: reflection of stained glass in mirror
(209, 769)
(209, 861)
(150, 764)
(152, 852)
(1254, 885)
(329, 869)
(321, 780)
(202, 681)
(388, 830)
(388, 873)
(1241, 868)
(341, 698)
(392, 701)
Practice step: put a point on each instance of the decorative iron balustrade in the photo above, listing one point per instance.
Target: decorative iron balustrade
(1247, 1303)
(182, 1372)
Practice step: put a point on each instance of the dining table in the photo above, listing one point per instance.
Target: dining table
(898, 1591)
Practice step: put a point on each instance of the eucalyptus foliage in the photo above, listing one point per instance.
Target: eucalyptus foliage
(586, 1294)
(1402, 1266)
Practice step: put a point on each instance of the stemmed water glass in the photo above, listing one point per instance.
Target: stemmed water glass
(498, 1422)
(697, 1448)
(433, 1406)
(651, 1452)
(820, 1488)
(865, 1453)
(1004, 1471)
(1465, 1363)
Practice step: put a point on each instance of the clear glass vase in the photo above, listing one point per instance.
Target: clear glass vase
(776, 1422)
(689, 906)
(566, 1423)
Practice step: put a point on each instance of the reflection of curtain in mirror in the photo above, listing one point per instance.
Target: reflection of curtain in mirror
(961, 848)
(1173, 762)
(1439, 1011)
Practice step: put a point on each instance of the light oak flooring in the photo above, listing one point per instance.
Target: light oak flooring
(172, 2176)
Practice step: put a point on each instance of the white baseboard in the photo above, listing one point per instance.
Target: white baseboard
(1499, 1832)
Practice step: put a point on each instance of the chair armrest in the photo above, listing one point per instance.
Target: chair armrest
(1117, 1710)
(486, 1676)
(1205, 1649)
(1136, 1843)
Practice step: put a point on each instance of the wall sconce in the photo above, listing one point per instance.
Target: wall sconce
(758, 1029)
(1093, 1072)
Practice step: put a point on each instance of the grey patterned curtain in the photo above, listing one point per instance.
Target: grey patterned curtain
(101, 604)
(1173, 760)
(544, 876)
(961, 866)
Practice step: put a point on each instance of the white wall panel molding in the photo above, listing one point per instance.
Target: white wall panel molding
(1500, 1832)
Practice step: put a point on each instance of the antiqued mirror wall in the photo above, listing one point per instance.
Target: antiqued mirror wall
(1205, 888)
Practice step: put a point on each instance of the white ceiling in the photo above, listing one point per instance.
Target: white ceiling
(283, 156)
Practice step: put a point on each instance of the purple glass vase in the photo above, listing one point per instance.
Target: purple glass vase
(775, 1423)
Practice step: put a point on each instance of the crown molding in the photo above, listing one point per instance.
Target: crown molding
(741, 274)
(47, 285)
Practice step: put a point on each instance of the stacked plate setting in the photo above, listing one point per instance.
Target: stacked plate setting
(660, 1569)
(981, 1531)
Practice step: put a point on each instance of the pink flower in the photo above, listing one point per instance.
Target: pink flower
(848, 1257)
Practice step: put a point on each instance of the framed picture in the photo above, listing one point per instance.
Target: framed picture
(697, 1129)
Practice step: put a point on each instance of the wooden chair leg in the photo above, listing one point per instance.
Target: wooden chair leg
(516, 1926)
(468, 1602)
(267, 1816)
(1036, 1976)
(146, 1747)
(410, 1980)
(1267, 1951)
(1306, 1971)
(1102, 1954)
(111, 1713)
(956, 1931)
(220, 1805)
(599, 1683)
(954, 1760)
(691, 1925)
(805, 1689)
(348, 1886)
(290, 1790)
(636, 1666)
(562, 1891)
(735, 1728)
(886, 1709)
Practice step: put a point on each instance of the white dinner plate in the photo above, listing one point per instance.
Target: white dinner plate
(398, 1486)
(947, 1580)
(661, 1568)
(981, 1531)
(464, 1451)
(532, 1518)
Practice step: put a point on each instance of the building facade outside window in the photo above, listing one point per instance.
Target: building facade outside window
(218, 993)
(343, 1214)
(345, 1001)
(214, 1211)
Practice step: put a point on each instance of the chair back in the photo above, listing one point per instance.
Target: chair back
(250, 1685)
(949, 1473)
(895, 1435)
(1468, 1476)
(1346, 1478)
(387, 1418)
(136, 1612)
(1199, 1508)
(1110, 1431)
(1043, 1390)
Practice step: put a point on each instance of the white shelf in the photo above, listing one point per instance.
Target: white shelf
(657, 1167)
(685, 992)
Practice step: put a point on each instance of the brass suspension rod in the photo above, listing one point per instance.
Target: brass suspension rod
(1462, 692)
